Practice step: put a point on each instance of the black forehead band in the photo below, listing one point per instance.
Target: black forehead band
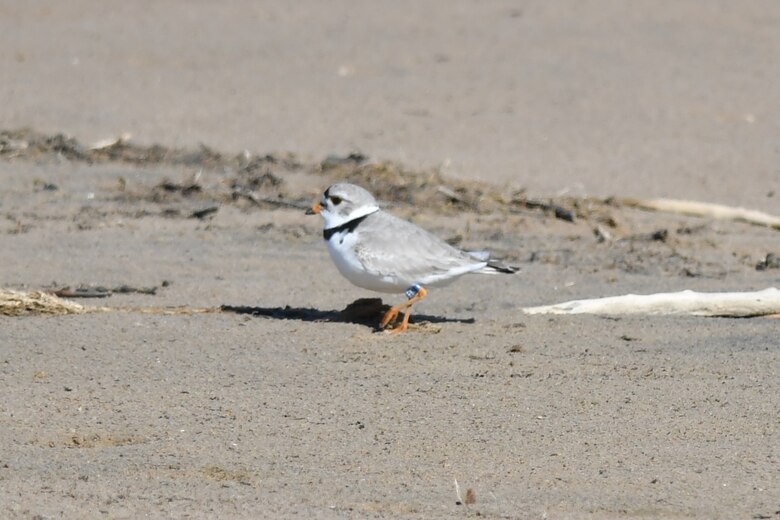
(327, 193)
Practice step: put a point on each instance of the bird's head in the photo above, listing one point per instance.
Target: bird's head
(342, 203)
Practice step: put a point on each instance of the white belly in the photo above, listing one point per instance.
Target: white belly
(341, 247)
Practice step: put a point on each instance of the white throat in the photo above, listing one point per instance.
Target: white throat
(333, 220)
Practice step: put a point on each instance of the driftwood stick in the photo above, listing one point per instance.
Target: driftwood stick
(705, 209)
(20, 303)
(728, 304)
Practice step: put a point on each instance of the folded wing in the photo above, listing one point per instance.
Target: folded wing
(408, 253)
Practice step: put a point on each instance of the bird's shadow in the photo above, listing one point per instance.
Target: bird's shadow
(363, 311)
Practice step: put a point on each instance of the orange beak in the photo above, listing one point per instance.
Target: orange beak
(314, 210)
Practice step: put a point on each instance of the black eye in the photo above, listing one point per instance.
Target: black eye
(336, 200)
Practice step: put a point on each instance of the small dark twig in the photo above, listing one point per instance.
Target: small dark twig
(83, 292)
(205, 212)
(559, 211)
(103, 292)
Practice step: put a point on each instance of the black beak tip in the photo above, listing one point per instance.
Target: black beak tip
(310, 211)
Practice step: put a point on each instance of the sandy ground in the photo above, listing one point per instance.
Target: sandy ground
(287, 408)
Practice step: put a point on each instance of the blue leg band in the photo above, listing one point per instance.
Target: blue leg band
(412, 291)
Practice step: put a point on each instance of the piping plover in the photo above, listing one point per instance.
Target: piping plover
(380, 252)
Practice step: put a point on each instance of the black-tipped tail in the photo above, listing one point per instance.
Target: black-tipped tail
(494, 266)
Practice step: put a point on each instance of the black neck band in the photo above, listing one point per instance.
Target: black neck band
(346, 226)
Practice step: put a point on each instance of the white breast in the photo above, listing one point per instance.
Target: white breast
(341, 247)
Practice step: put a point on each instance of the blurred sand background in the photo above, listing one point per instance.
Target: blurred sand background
(598, 97)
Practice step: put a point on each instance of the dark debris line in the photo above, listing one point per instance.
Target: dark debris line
(28, 144)
(258, 178)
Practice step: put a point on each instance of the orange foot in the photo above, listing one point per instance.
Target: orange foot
(392, 315)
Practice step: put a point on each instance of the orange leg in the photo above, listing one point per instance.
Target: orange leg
(392, 314)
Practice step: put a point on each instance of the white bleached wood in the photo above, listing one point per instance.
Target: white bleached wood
(109, 142)
(732, 304)
(705, 209)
